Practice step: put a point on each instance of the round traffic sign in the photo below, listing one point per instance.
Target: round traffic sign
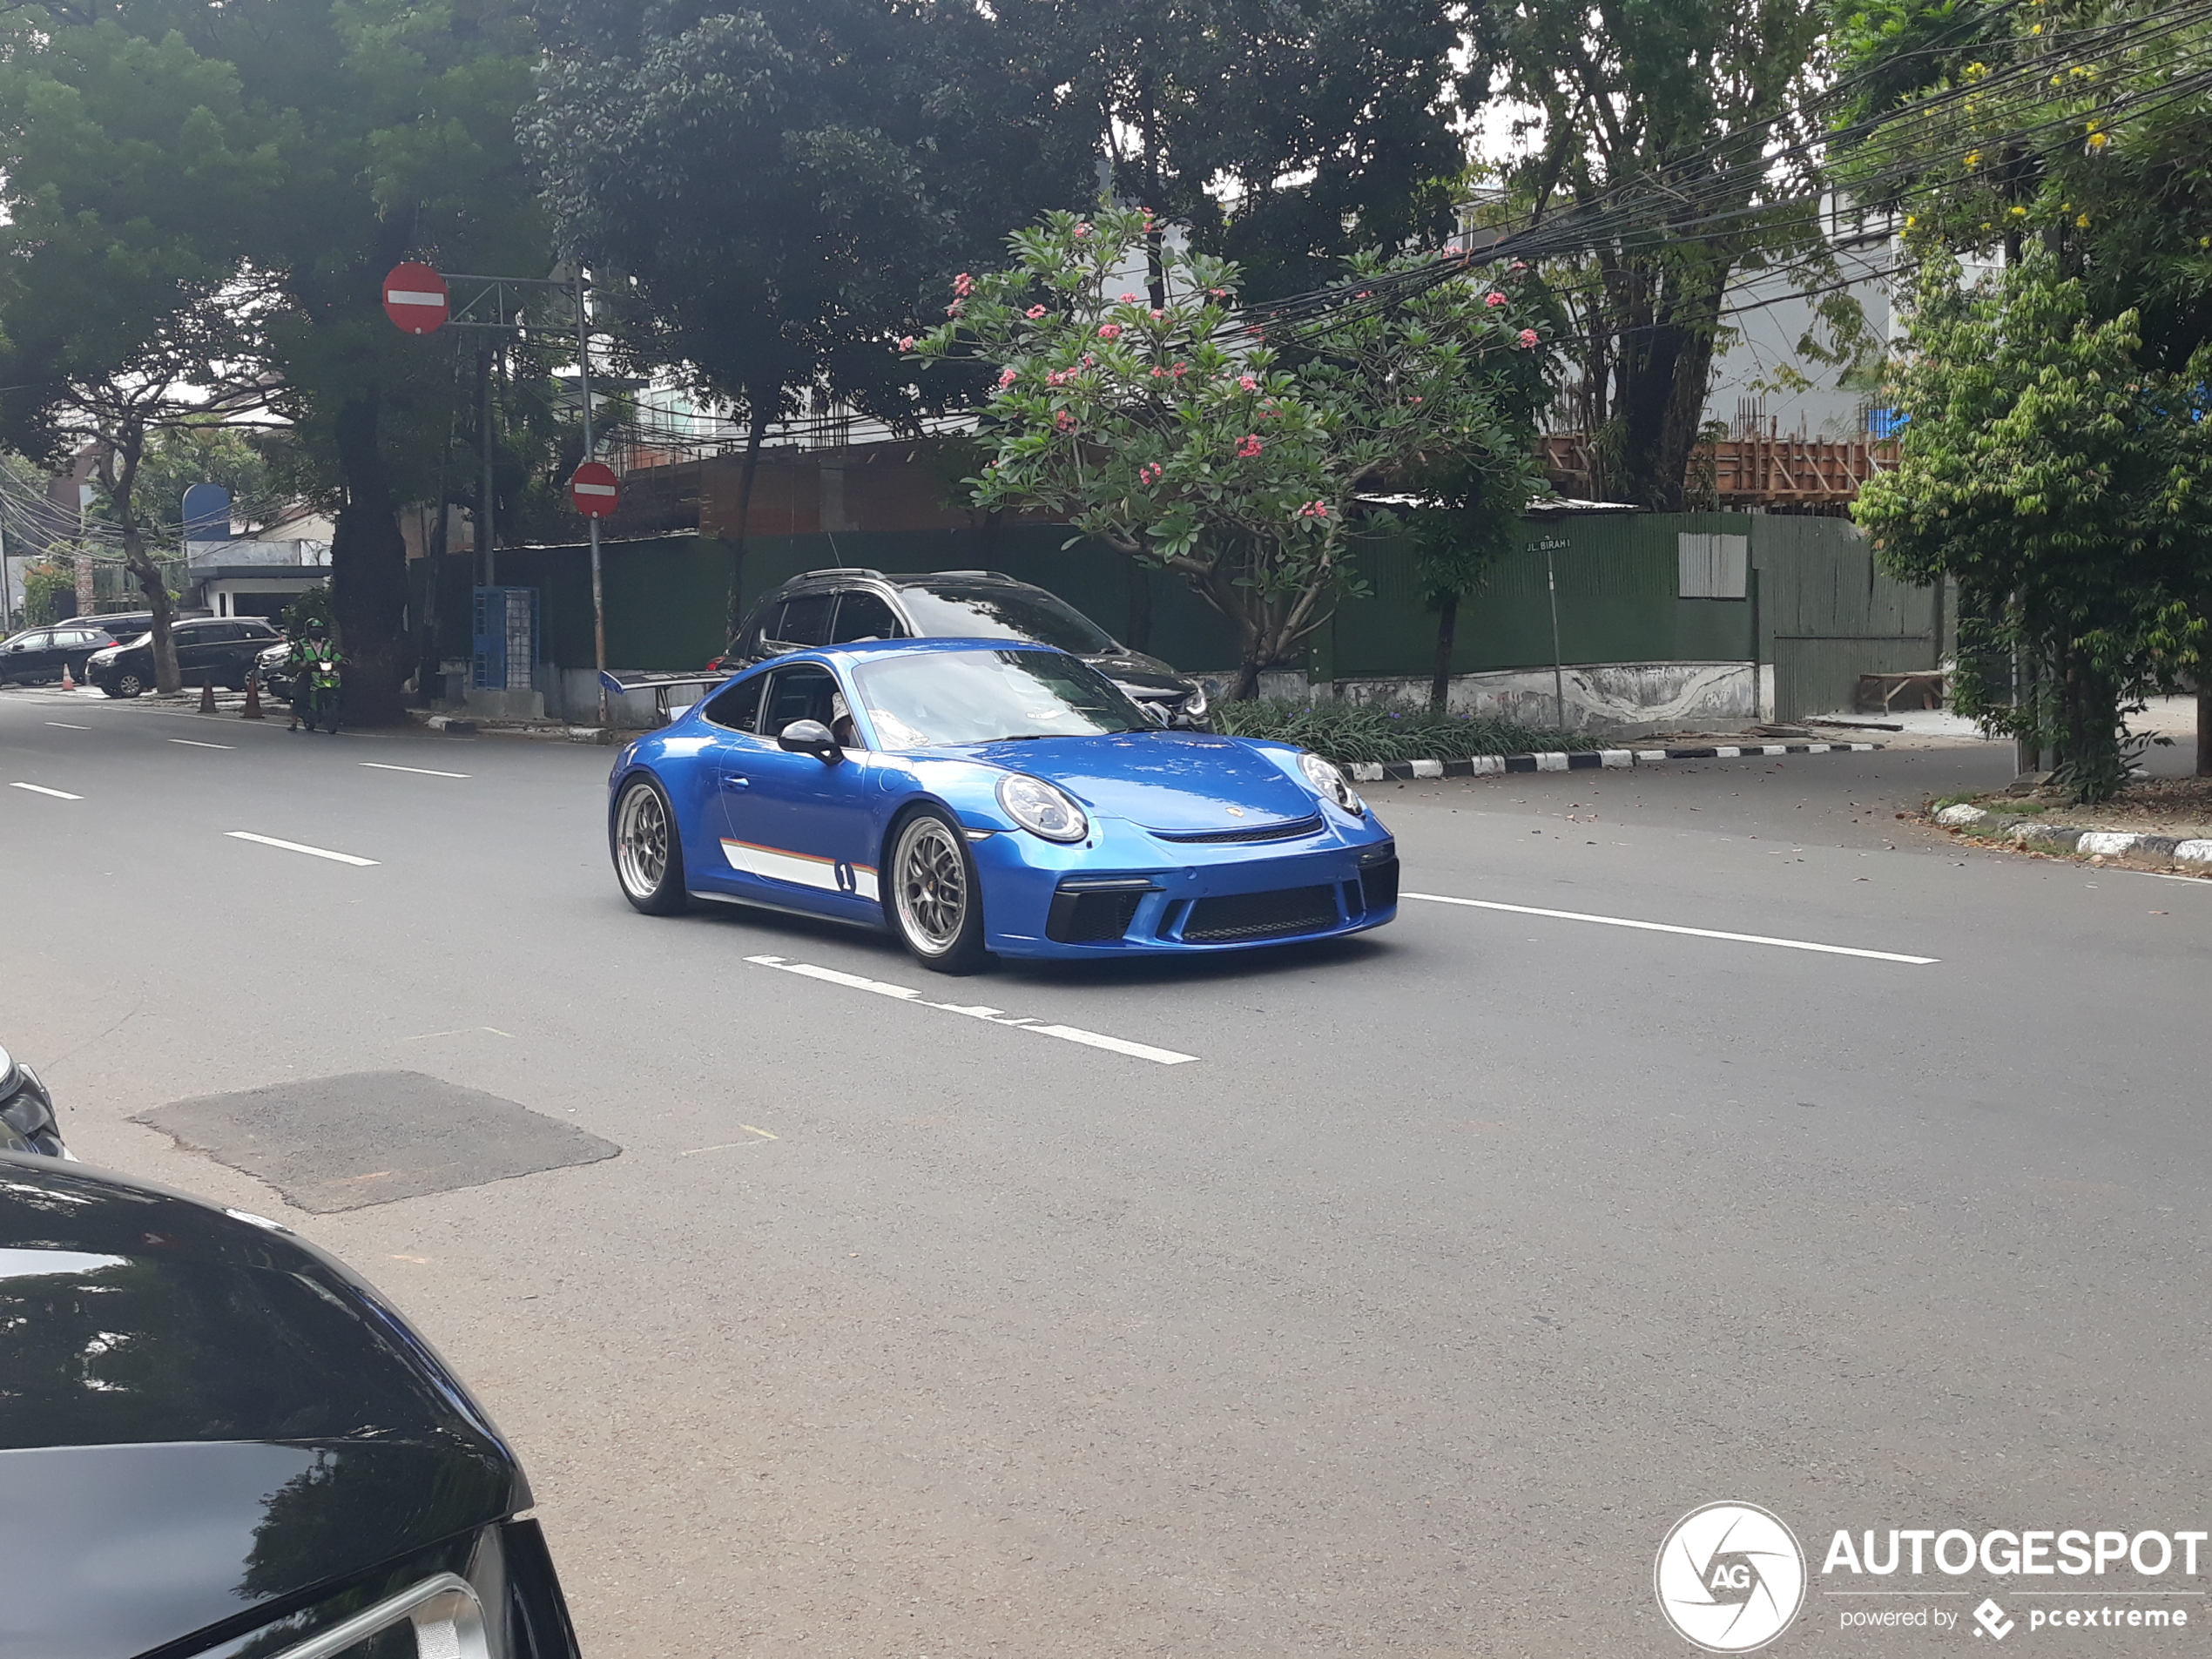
(415, 297)
(594, 489)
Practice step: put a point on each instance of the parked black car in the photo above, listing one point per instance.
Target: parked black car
(27, 1120)
(221, 648)
(217, 1443)
(834, 607)
(38, 654)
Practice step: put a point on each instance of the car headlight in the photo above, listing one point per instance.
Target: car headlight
(1042, 809)
(1332, 784)
(1195, 704)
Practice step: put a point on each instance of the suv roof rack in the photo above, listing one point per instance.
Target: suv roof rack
(836, 569)
(932, 575)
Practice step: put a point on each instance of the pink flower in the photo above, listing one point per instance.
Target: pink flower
(1413, 400)
(907, 343)
(1248, 382)
(1313, 510)
(1129, 299)
(1089, 361)
(954, 309)
(1034, 313)
(1527, 337)
(1219, 293)
(1518, 266)
(1006, 377)
(1451, 252)
(1064, 420)
(1083, 230)
(1158, 314)
(1150, 473)
(963, 285)
(1059, 376)
(1251, 446)
(1177, 372)
(1494, 300)
(1158, 372)
(1110, 331)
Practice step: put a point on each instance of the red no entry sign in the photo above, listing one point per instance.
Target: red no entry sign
(414, 297)
(594, 489)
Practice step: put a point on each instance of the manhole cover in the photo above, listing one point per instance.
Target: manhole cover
(369, 1137)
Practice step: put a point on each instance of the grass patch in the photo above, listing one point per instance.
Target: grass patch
(1345, 731)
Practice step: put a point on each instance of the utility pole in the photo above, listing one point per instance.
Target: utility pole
(598, 597)
(487, 503)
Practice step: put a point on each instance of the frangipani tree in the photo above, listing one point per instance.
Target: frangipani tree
(1231, 450)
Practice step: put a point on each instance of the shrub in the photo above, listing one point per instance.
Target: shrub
(1349, 731)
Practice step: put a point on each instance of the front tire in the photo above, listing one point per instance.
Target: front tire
(935, 901)
(648, 851)
(129, 683)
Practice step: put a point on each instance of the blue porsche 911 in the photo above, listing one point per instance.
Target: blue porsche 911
(982, 796)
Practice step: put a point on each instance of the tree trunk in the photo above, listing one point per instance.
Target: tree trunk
(367, 573)
(1660, 398)
(756, 429)
(1447, 623)
(119, 468)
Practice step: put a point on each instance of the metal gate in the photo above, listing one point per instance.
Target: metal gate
(1831, 614)
(505, 644)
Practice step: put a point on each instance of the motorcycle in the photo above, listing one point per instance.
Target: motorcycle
(314, 695)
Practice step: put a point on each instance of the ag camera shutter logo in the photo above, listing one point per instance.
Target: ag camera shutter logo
(1729, 1577)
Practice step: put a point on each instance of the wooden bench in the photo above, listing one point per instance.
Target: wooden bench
(1878, 693)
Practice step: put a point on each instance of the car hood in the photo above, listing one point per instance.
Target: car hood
(205, 1408)
(1135, 668)
(121, 1549)
(1168, 780)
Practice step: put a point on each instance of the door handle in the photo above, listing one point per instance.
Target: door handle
(734, 780)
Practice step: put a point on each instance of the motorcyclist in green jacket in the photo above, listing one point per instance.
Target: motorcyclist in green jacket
(313, 662)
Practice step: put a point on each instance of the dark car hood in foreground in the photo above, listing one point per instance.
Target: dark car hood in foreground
(1169, 780)
(199, 1414)
(113, 1550)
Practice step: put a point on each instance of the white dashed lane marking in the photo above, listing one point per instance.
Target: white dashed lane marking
(295, 846)
(66, 727)
(990, 1015)
(41, 789)
(420, 771)
(1668, 927)
(194, 743)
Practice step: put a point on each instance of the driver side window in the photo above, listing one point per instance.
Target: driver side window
(803, 691)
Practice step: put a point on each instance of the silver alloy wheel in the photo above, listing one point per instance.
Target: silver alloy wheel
(641, 842)
(129, 685)
(931, 876)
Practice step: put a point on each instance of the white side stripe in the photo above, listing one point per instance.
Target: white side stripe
(295, 846)
(988, 1015)
(1668, 927)
(821, 874)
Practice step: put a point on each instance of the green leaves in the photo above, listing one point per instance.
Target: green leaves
(1232, 450)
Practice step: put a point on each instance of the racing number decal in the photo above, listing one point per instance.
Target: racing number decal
(846, 884)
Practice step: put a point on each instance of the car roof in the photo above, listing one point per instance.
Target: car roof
(844, 575)
(861, 650)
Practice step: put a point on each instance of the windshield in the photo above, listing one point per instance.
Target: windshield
(955, 612)
(987, 696)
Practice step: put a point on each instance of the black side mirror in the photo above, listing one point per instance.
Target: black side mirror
(811, 737)
(1154, 712)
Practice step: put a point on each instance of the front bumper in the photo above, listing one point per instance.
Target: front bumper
(1128, 893)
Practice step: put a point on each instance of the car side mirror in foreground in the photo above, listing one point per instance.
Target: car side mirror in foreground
(811, 737)
(1155, 713)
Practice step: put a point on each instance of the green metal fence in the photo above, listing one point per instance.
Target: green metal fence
(1815, 606)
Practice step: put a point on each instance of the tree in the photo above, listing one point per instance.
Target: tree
(2068, 136)
(122, 316)
(2068, 487)
(1275, 131)
(309, 145)
(1671, 149)
(1470, 524)
(767, 193)
(1230, 452)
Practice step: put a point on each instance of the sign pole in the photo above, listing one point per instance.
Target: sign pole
(598, 597)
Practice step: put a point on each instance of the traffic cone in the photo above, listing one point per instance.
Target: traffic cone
(68, 683)
(252, 709)
(207, 694)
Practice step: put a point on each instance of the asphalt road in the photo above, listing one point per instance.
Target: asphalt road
(1403, 1318)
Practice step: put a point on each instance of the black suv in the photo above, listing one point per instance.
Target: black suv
(42, 653)
(836, 607)
(219, 648)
